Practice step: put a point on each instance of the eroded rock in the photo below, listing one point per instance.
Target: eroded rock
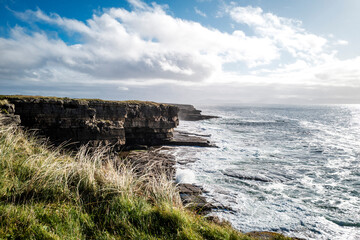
(188, 112)
(97, 122)
(189, 139)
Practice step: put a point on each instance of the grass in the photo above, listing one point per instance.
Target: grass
(80, 100)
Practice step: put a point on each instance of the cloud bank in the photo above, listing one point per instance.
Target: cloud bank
(145, 43)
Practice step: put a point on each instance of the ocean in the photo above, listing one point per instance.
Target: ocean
(288, 169)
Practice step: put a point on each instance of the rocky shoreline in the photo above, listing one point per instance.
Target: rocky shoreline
(192, 196)
(139, 132)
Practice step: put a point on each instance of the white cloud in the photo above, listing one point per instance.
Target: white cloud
(286, 33)
(342, 42)
(138, 4)
(198, 12)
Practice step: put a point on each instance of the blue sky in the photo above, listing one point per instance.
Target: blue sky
(203, 51)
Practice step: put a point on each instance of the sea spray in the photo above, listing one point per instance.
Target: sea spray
(185, 176)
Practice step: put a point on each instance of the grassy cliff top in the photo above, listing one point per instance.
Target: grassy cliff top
(80, 100)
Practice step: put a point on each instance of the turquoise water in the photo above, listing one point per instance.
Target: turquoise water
(289, 169)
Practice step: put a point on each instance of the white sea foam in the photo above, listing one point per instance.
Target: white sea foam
(185, 176)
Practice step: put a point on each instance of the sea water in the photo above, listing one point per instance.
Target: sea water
(288, 169)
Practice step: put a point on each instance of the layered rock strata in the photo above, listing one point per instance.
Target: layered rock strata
(189, 139)
(190, 113)
(96, 122)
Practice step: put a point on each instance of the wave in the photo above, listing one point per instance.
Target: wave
(345, 224)
(246, 176)
(256, 123)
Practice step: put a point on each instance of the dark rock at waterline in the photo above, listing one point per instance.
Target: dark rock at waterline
(194, 134)
(191, 197)
(188, 112)
(191, 189)
(188, 139)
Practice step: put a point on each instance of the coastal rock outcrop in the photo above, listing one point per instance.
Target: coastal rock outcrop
(95, 122)
(189, 139)
(190, 113)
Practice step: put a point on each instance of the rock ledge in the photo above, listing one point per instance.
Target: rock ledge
(190, 113)
(96, 122)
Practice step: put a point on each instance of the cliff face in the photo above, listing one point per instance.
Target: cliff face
(97, 121)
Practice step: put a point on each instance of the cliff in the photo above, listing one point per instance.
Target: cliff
(190, 113)
(95, 121)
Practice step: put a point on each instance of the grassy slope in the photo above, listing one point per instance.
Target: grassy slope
(47, 194)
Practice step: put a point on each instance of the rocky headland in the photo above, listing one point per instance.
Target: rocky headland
(121, 124)
(96, 122)
(188, 112)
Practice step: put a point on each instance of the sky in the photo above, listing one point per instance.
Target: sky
(188, 51)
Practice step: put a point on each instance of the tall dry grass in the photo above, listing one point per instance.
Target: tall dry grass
(89, 171)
